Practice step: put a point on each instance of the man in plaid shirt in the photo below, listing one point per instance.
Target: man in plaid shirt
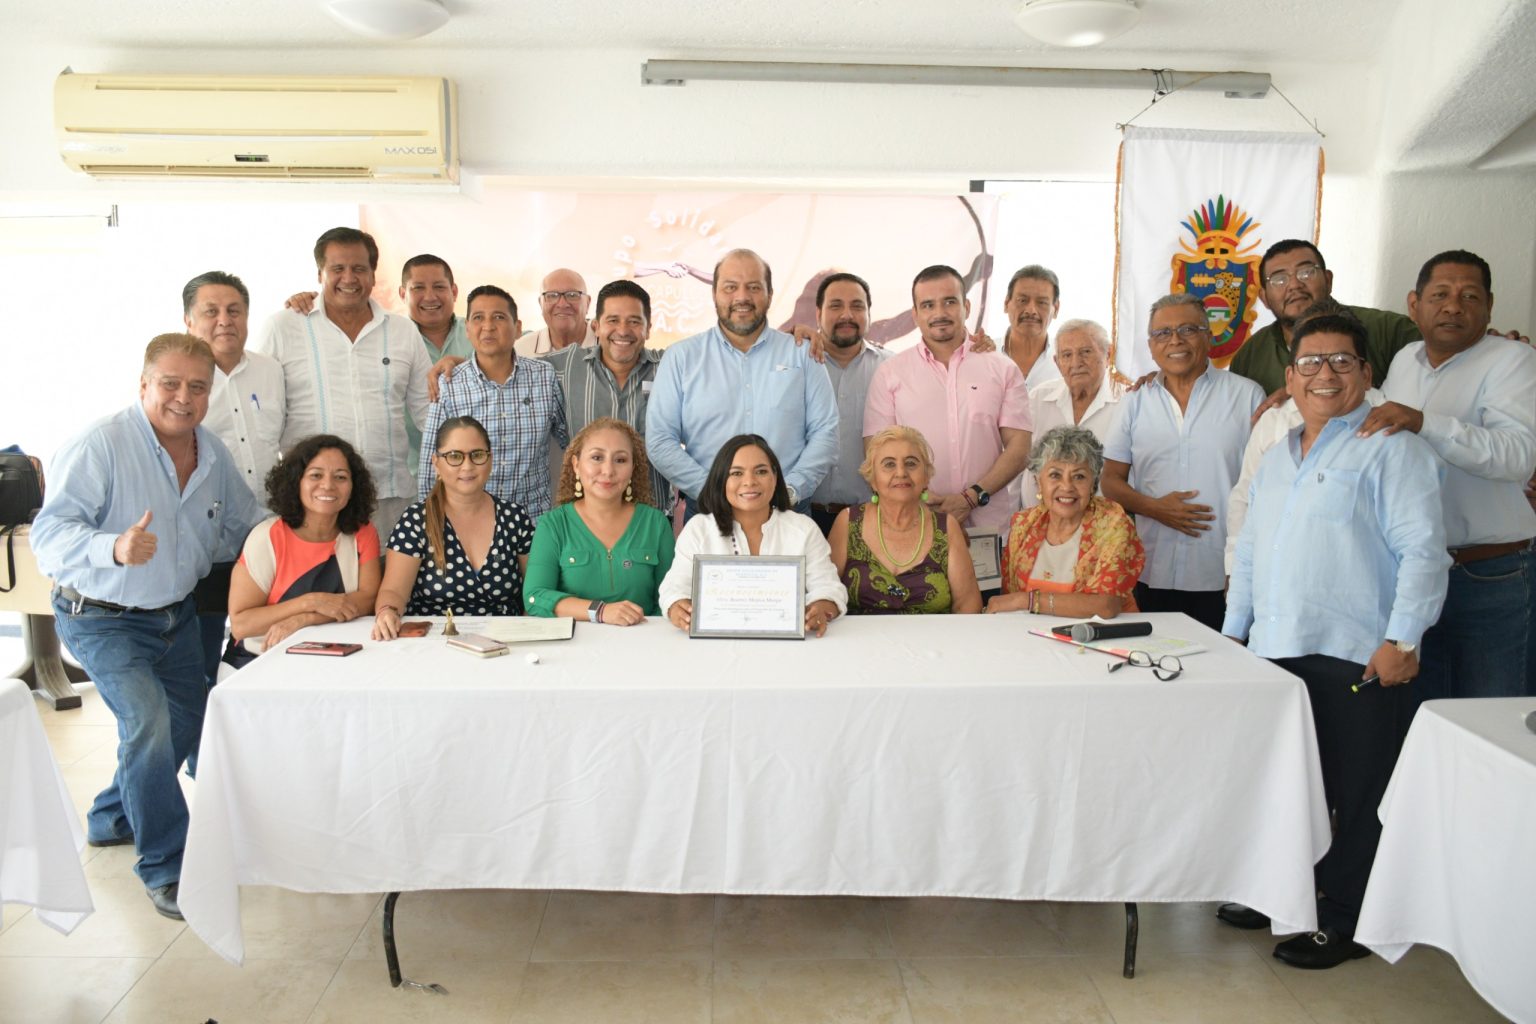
(518, 400)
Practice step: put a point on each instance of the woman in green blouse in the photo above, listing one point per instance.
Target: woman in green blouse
(601, 552)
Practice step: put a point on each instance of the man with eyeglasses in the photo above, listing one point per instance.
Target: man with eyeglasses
(1340, 570)
(139, 507)
(518, 400)
(1270, 429)
(564, 301)
(1172, 457)
(1294, 277)
(1472, 397)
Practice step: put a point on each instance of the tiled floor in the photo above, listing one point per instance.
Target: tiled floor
(596, 958)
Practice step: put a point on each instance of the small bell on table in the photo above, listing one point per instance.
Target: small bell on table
(449, 629)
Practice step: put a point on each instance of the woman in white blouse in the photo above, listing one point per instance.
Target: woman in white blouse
(744, 510)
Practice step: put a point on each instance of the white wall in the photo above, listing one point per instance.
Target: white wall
(582, 119)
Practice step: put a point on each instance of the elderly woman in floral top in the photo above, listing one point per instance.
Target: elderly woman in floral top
(1076, 553)
(893, 552)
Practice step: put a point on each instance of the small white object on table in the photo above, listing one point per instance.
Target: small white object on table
(897, 756)
(40, 835)
(1456, 866)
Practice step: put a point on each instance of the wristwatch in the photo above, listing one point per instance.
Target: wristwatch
(1403, 647)
(982, 497)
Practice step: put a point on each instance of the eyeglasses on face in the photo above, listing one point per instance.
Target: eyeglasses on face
(1165, 668)
(454, 457)
(570, 296)
(1186, 332)
(1303, 273)
(1342, 363)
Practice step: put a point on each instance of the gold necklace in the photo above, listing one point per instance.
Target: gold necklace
(922, 531)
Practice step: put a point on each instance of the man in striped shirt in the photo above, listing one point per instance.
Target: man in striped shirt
(614, 379)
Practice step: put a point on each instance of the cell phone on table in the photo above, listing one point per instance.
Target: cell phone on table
(480, 646)
(325, 648)
(415, 629)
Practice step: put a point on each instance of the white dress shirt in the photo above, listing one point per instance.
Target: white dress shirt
(361, 391)
(1268, 432)
(246, 411)
(1480, 417)
(1050, 406)
(785, 533)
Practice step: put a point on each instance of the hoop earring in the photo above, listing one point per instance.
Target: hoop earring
(576, 491)
(629, 492)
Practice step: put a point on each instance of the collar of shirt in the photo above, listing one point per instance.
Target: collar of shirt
(956, 358)
(1421, 355)
(718, 336)
(647, 355)
(378, 314)
(474, 365)
(1104, 396)
(245, 361)
(1346, 424)
(207, 454)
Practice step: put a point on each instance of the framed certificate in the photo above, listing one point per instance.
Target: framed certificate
(759, 597)
(987, 556)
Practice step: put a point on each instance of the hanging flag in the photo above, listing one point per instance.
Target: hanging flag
(1196, 211)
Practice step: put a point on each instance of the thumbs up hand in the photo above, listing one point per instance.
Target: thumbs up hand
(135, 545)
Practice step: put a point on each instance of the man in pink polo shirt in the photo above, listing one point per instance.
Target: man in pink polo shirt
(971, 406)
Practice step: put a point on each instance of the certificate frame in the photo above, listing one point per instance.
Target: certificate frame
(754, 597)
(986, 551)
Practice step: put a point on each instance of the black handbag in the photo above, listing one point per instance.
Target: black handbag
(21, 495)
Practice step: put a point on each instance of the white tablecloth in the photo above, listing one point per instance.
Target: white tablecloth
(1456, 867)
(901, 756)
(40, 834)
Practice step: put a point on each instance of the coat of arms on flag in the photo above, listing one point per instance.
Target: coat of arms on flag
(1193, 202)
(1221, 268)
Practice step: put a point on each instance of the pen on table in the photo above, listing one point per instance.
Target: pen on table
(1368, 681)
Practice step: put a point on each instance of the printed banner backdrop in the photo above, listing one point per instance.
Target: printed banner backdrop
(1197, 211)
(669, 242)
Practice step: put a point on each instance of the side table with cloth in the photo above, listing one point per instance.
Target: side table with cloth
(1453, 868)
(862, 763)
(40, 834)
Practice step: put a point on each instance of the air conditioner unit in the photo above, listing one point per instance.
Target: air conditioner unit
(272, 127)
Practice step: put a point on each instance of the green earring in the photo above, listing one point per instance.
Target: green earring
(924, 496)
(874, 499)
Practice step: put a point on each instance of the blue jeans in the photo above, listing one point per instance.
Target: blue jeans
(148, 668)
(1480, 646)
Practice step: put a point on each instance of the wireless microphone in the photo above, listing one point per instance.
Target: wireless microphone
(1088, 632)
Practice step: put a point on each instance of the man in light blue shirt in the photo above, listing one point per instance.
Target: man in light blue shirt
(141, 505)
(1171, 459)
(1340, 569)
(741, 377)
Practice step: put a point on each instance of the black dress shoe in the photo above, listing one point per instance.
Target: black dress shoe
(1239, 916)
(113, 841)
(164, 899)
(1320, 950)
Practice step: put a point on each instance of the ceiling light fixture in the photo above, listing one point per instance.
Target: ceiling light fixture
(390, 20)
(1077, 22)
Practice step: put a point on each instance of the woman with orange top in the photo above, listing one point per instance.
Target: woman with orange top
(1076, 553)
